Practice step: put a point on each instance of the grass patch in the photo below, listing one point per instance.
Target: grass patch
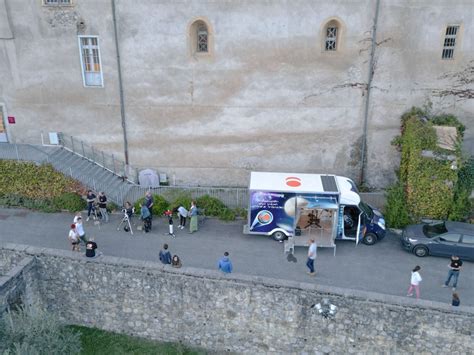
(96, 341)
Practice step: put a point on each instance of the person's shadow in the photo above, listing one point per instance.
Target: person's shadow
(291, 258)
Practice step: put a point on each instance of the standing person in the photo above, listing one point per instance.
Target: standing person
(182, 213)
(312, 253)
(80, 228)
(74, 238)
(455, 301)
(415, 282)
(225, 265)
(103, 206)
(193, 225)
(90, 198)
(454, 270)
(149, 202)
(165, 255)
(146, 217)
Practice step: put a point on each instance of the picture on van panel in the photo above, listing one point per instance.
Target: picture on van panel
(351, 215)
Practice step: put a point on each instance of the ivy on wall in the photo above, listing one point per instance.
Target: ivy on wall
(428, 187)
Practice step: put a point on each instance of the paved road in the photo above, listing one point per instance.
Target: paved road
(383, 267)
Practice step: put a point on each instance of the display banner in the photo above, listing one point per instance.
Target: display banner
(275, 210)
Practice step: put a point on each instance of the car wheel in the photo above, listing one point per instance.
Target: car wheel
(370, 239)
(420, 251)
(279, 236)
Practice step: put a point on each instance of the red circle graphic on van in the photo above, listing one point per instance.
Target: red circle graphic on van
(293, 181)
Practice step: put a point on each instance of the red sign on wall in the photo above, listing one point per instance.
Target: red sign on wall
(11, 120)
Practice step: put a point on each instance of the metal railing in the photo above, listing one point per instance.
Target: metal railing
(99, 157)
(117, 195)
(232, 197)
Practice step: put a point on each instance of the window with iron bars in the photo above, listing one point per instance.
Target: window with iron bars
(449, 42)
(57, 2)
(202, 39)
(331, 38)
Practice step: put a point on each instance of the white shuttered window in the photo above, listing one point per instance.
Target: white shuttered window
(90, 61)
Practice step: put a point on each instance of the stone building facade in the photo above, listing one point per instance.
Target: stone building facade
(215, 89)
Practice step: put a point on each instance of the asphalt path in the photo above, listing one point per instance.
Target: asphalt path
(384, 267)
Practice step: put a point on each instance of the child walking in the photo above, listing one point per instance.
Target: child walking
(415, 282)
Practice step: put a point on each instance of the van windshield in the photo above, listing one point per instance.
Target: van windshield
(366, 209)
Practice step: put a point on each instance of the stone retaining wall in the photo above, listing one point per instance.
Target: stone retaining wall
(17, 285)
(240, 313)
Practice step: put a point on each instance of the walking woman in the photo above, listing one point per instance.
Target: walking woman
(415, 282)
(193, 225)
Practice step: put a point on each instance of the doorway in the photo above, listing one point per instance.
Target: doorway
(3, 129)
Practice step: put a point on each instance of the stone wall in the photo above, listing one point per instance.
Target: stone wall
(241, 313)
(18, 284)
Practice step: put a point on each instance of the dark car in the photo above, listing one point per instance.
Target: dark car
(441, 239)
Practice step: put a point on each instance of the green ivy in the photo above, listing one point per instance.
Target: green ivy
(212, 206)
(160, 205)
(427, 187)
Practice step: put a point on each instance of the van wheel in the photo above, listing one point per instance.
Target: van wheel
(370, 239)
(279, 236)
(420, 251)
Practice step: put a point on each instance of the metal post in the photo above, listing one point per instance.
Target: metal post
(70, 171)
(103, 159)
(17, 154)
(93, 155)
(113, 163)
(83, 153)
(93, 184)
(119, 71)
(72, 144)
(367, 98)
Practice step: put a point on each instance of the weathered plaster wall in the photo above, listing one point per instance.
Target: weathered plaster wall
(240, 313)
(268, 98)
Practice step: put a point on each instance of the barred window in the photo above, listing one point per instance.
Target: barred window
(202, 39)
(331, 36)
(449, 42)
(90, 61)
(57, 2)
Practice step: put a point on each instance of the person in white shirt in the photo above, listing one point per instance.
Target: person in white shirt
(80, 228)
(415, 282)
(182, 213)
(311, 257)
(74, 238)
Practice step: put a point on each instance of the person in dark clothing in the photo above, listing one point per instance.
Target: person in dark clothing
(176, 262)
(456, 301)
(149, 203)
(146, 217)
(90, 198)
(454, 270)
(165, 255)
(103, 206)
(91, 246)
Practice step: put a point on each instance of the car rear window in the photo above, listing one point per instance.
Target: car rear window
(432, 230)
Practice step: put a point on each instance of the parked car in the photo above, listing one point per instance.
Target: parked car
(440, 238)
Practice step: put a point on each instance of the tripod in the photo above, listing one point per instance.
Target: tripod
(126, 223)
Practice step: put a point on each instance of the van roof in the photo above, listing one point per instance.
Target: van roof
(306, 183)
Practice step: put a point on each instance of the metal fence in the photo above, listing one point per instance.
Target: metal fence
(236, 197)
(232, 197)
(104, 160)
